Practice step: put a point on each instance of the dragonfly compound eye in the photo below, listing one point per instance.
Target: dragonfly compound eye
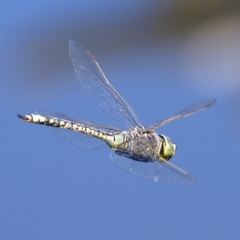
(168, 148)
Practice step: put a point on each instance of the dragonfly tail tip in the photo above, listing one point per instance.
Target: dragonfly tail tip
(20, 116)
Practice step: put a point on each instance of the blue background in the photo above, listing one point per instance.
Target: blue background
(161, 56)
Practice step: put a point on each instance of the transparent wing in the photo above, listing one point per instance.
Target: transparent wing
(197, 107)
(164, 171)
(149, 167)
(74, 137)
(98, 88)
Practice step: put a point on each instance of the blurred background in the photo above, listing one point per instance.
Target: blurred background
(161, 56)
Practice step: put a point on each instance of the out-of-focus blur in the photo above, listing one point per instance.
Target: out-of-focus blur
(161, 56)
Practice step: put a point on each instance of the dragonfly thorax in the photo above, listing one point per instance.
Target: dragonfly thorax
(168, 149)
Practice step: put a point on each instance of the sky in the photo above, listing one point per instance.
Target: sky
(160, 62)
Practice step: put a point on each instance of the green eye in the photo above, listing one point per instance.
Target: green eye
(168, 148)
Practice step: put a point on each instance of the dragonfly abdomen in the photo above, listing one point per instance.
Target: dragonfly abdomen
(62, 123)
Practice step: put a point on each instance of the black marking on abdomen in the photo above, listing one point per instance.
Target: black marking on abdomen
(65, 124)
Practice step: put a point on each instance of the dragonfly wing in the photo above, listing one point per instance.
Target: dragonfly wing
(197, 107)
(155, 170)
(79, 139)
(98, 88)
(150, 166)
(75, 137)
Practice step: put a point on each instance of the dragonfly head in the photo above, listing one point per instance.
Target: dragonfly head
(168, 148)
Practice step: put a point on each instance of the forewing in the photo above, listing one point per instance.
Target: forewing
(98, 88)
(163, 171)
(197, 107)
(150, 167)
(75, 137)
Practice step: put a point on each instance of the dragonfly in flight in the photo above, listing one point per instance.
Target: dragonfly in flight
(138, 150)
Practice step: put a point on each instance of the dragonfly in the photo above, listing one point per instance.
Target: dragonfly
(138, 150)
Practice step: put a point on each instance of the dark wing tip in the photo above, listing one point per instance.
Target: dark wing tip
(211, 102)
